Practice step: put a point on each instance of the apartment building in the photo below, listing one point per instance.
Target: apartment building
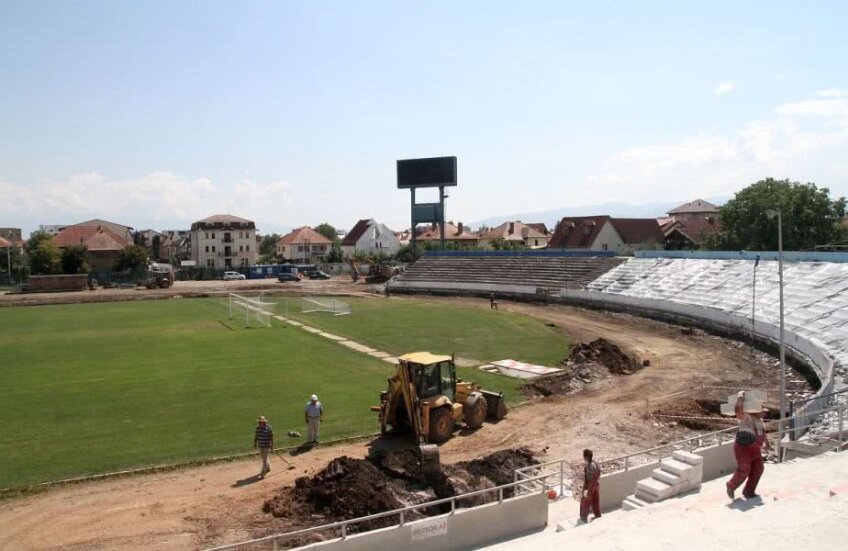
(224, 241)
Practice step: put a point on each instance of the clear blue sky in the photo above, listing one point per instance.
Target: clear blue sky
(157, 113)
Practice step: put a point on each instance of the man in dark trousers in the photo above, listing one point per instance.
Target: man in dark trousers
(264, 440)
(591, 488)
(492, 303)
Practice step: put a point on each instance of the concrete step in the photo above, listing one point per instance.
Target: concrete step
(674, 466)
(667, 477)
(656, 488)
(631, 503)
(688, 457)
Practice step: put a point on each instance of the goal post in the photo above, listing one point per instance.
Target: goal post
(256, 311)
(326, 305)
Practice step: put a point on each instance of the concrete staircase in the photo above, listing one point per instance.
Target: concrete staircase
(676, 475)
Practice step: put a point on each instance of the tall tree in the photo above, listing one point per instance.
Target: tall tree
(74, 260)
(810, 217)
(132, 257)
(327, 231)
(44, 258)
(268, 245)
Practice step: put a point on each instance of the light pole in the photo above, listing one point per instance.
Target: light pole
(9, 257)
(771, 214)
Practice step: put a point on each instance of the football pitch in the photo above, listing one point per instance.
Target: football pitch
(94, 388)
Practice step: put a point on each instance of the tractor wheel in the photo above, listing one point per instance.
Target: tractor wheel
(475, 412)
(441, 425)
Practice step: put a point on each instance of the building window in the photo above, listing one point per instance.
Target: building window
(213, 235)
(213, 248)
(605, 246)
(247, 248)
(241, 248)
(207, 248)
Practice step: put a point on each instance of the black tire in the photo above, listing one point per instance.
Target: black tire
(441, 424)
(475, 413)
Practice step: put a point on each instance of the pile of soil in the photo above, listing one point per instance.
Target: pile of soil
(586, 363)
(695, 414)
(348, 488)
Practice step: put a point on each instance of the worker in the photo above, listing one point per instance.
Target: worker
(492, 304)
(591, 497)
(314, 414)
(750, 440)
(264, 440)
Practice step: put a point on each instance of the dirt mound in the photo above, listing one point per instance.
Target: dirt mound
(586, 363)
(348, 488)
(605, 353)
(695, 414)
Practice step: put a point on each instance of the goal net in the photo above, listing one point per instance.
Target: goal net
(255, 311)
(326, 305)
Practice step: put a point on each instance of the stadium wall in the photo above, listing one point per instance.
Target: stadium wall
(464, 529)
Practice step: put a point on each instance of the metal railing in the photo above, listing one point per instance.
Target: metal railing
(401, 513)
(524, 477)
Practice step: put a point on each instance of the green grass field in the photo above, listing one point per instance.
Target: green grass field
(101, 387)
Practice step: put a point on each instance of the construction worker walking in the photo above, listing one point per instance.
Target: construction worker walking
(314, 414)
(263, 439)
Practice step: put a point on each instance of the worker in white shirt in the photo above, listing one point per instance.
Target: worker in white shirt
(314, 415)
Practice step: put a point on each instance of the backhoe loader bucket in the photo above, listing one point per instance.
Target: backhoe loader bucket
(430, 461)
(496, 404)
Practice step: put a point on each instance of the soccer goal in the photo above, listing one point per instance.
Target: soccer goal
(326, 305)
(256, 311)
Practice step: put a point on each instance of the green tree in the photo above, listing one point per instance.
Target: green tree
(132, 257)
(74, 260)
(328, 231)
(14, 257)
(268, 245)
(810, 217)
(406, 253)
(44, 258)
(335, 254)
(156, 247)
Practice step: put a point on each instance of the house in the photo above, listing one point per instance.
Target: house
(304, 245)
(370, 237)
(527, 235)
(152, 240)
(223, 241)
(694, 210)
(604, 233)
(457, 234)
(175, 245)
(689, 234)
(104, 241)
(14, 236)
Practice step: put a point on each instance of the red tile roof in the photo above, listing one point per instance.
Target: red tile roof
(5, 243)
(634, 231)
(452, 233)
(354, 234)
(304, 235)
(578, 232)
(95, 238)
(695, 230)
(698, 205)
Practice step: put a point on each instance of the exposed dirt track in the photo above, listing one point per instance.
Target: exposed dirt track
(204, 506)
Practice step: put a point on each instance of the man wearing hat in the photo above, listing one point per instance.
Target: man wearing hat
(314, 415)
(750, 439)
(264, 440)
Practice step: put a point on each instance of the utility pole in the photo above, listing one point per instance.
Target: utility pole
(772, 214)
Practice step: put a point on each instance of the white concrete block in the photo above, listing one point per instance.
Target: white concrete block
(655, 487)
(675, 467)
(669, 478)
(688, 457)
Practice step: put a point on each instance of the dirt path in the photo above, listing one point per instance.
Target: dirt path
(203, 506)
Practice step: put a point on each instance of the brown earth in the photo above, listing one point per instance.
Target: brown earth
(216, 504)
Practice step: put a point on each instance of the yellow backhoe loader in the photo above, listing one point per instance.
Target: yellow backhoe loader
(425, 397)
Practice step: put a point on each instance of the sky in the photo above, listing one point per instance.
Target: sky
(155, 114)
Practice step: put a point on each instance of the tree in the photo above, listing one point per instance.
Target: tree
(810, 217)
(132, 257)
(406, 253)
(268, 245)
(328, 231)
(156, 246)
(335, 254)
(44, 258)
(74, 260)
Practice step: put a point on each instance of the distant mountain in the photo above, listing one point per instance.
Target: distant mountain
(614, 209)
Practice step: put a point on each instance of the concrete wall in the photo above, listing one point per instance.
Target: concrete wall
(67, 282)
(718, 461)
(465, 529)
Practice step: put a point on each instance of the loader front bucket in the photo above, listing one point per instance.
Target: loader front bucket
(430, 460)
(496, 405)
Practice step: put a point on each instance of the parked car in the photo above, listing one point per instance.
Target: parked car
(318, 274)
(288, 276)
(233, 275)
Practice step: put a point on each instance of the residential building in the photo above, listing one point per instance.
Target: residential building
(152, 240)
(104, 241)
(175, 246)
(14, 236)
(223, 241)
(52, 229)
(694, 210)
(304, 245)
(457, 234)
(527, 235)
(689, 234)
(370, 237)
(604, 233)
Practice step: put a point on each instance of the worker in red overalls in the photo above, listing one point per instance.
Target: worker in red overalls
(591, 488)
(750, 440)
